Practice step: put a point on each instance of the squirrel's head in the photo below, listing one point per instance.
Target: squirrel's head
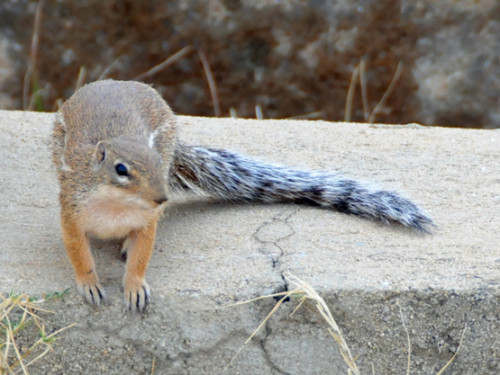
(133, 173)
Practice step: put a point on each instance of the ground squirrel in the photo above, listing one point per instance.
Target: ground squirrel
(117, 157)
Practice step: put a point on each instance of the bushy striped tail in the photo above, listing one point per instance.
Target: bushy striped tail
(234, 177)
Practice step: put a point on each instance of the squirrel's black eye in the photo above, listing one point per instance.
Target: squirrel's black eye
(121, 170)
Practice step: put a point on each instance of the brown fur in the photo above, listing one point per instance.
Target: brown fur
(116, 154)
(102, 125)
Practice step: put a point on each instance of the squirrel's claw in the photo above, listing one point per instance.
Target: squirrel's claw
(93, 294)
(137, 297)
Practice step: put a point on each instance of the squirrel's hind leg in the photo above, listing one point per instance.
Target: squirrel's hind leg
(125, 247)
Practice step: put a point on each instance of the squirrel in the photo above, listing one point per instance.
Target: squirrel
(117, 157)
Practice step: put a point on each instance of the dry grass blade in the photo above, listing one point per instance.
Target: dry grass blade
(167, 62)
(82, 74)
(304, 292)
(334, 329)
(211, 83)
(45, 341)
(284, 296)
(364, 93)
(350, 94)
(26, 312)
(153, 366)
(407, 339)
(387, 93)
(259, 115)
(454, 355)
(32, 63)
(233, 113)
(108, 69)
(11, 339)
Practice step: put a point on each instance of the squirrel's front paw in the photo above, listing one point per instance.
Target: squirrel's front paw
(93, 293)
(137, 295)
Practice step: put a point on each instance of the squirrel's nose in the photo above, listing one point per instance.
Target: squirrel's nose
(161, 199)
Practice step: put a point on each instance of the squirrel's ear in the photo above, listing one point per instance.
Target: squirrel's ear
(100, 151)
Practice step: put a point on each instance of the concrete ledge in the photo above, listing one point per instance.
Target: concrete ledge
(210, 254)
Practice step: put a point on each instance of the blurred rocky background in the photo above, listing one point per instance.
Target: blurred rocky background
(391, 61)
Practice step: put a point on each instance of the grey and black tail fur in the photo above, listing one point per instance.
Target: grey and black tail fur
(235, 177)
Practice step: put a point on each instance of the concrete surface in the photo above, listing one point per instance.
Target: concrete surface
(210, 254)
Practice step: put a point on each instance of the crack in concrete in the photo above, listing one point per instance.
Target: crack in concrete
(282, 218)
(276, 220)
(166, 361)
(267, 354)
(272, 239)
